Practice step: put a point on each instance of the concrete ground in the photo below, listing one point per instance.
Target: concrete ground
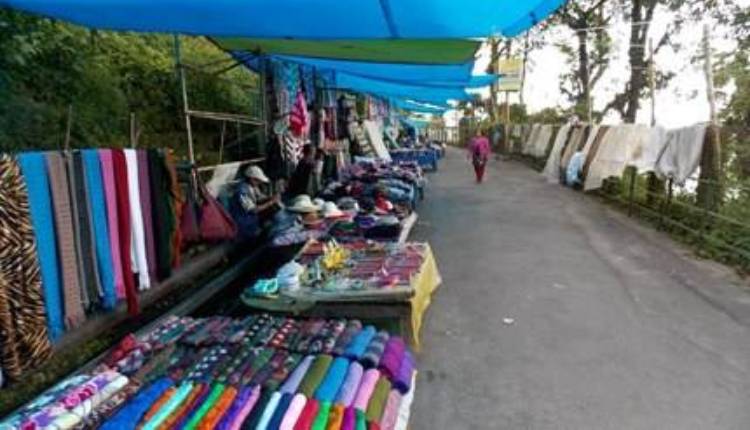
(614, 326)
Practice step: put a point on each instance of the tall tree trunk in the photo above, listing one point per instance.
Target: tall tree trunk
(584, 77)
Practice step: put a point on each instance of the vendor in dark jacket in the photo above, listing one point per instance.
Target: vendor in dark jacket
(303, 178)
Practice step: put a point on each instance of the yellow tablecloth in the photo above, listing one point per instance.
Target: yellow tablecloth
(425, 283)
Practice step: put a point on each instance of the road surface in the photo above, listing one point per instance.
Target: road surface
(557, 312)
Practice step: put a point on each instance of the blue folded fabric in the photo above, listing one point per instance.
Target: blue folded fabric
(95, 185)
(34, 170)
(278, 414)
(359, 344)
(333, 380)
(130, 415)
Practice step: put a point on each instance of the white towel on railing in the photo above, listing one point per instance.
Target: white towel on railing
(543, 137)
(138, 234)
(682, 153)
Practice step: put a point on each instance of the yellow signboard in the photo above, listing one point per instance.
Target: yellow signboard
(510, 71)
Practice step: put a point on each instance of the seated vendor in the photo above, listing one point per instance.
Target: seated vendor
(253, 199)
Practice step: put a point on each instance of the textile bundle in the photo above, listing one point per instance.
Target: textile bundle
(179, 375)
(80, 226)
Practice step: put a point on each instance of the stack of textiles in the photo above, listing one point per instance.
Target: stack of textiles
(366, 180)
(260, 372)
(97, 226)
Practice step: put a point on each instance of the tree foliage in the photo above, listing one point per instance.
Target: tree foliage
(48, 66)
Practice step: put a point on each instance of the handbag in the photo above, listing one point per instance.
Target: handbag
(216, 224)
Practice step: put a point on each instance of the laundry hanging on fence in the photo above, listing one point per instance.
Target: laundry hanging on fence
(682, 153)
(552, 168)
(539, 139)
(574, 143)
(622, 146)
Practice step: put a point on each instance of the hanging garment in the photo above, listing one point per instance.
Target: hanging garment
(66, 244)
(543, 140)
(645, 146)
(529, 142)
(120, 168)
(592, 148)
(176, 203)
(34, 168)
(138, 234)
(682, 153)
(161, 212)
(105, 263)
(552, 168)
(299, 118)
(24, 342)
(144, 185)
(113, 224)
(91, 288)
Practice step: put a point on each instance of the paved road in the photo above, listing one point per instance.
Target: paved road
(615, 326)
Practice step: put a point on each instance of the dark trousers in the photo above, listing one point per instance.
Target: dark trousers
(479, 171)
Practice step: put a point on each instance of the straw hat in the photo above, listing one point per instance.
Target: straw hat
(256, 172)
(318, 202)
(330, 210)
(303, 204)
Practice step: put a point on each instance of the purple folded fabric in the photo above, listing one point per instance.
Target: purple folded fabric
(366, 387)
(348, 389)
(402, 382)
(393, 355)
(390, 413)
(350, 419)
(292, 382)
(238, 420)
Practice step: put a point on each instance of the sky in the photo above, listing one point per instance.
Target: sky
(683, 102)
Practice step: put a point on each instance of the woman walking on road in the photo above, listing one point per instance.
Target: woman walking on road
(479, 151)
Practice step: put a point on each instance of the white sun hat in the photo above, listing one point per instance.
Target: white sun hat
(256, 172)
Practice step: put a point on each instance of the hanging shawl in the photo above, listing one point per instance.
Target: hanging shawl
(23, 324)
(299, 119)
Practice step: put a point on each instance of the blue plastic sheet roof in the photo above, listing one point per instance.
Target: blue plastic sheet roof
(387, 89)
(309, 19)
(439, 76)
(414, 106)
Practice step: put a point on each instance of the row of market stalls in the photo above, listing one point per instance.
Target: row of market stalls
(328, 340)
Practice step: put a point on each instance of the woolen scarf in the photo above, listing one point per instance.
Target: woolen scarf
(161, 213)
(113, 226)
(85, 234)
(66, 243)
(144, 184)
(23, 324)
(34, 169)
(95, 187)
(136, 221)
(120, 169)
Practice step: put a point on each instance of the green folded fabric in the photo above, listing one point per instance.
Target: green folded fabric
(211, 400)
(315, 375)
(321, 420)
(361, 420)
(378, 399)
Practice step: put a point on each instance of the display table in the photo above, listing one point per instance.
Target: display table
(405, 304)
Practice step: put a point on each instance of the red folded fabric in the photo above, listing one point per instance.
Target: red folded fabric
(123, 221)
(307, 417)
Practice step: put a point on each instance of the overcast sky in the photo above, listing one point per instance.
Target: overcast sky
(682, 103)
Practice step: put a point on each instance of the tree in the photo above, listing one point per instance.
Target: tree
(588, 19)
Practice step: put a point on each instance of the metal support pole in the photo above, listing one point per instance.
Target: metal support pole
(185, 105)
(68, 127)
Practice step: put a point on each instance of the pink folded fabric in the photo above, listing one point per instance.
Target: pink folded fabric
(293, 412)
(110, 195)
(245, 411)
(390, 413)
(366, 387)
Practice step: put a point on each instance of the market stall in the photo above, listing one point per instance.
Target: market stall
(257, 372)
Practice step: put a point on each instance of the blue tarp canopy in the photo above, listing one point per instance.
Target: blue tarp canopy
(305, 19)
(414, 106)
(386, 89)
(437, 76)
